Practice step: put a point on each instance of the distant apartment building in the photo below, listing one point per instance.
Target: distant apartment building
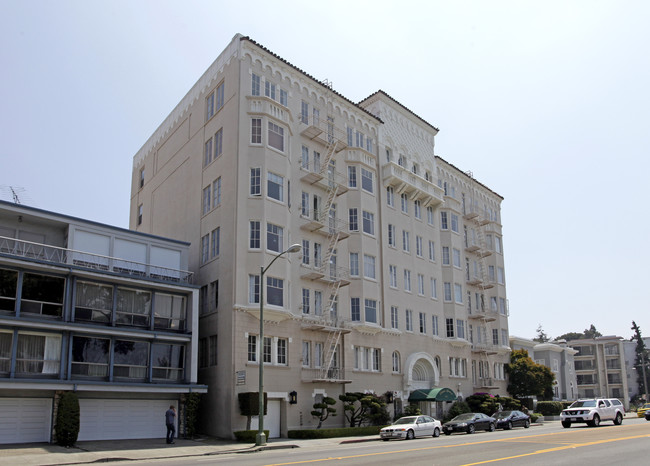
(600, 368)
(105, 312)
(400, 285)
(558, 357)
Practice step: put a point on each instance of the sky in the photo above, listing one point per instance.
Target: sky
(547, 103)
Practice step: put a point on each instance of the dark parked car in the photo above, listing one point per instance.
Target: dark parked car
(647, 415)
(510, 419)
(469, 422)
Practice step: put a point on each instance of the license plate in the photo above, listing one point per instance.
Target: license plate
(574, 419)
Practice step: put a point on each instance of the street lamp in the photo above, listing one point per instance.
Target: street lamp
(260, 438)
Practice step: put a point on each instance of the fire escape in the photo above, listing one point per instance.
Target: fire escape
(322, 218)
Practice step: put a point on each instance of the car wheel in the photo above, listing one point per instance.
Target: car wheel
(596, 421)
(509, 426)
(436, 432)
(491, 428)
(470, 429)
(618, 420)
(385, 439)
(527, 424)
(566, 424)
(410, 435)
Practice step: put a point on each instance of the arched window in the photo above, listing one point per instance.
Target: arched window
(401, 161)
(428, 177)
(396, 362)
(415, 168)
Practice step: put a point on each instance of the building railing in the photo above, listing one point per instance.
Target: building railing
(62, 256)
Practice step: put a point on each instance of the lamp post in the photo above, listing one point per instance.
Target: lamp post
(260, 438)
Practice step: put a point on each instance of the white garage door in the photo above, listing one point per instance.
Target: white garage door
(123, 419)
(271, 420)
(25, 420)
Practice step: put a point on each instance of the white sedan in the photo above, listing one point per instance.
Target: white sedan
(410, 427)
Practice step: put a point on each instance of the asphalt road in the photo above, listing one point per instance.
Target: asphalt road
(539, 445)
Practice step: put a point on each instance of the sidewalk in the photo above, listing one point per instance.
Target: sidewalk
(120, 450)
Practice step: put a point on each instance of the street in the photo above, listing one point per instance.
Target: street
(539, 445)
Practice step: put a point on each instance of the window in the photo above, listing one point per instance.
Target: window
(318, 303)
(432, 251)
(90, 356)
(216, 239)
(371, 310)
(94, 302)
(504, 336)
(305, 300)
(460, 328)
(396, 362)
(253, 289)
(304, 112)
(407, 280)
(274, 291)
(392, 235)
(369, 266)
(205, 249)
(256, 131)
(220, 96)
(368, 223)
(218, 143)
(367, 180)
(434, 288)
(355, 309)
(130, 360)
(456, 257)
(209, 106)
(491, 273)
(352, 176)
(354, 220)
(37, 354)
(430, 215)
(445, 255)
(305, 252)
(254, 235)
(423, 323)
(390, 196)
(404, 203)
(252, 348)
(409, 320)
(354, 264)
(447, 291)
(500, 276)
(502, 306)
(255, 85)
(281, 345)
(421, 284)
(284, 100)
(275, 186)
(434, 325)
(458, 293)
(443, 221)
(392, 273)
(133, 307)
(216, 192)
(350, 134)
(418, 246)
(406, 241)
(417, 209)
(369, 144)
(269, 89)
(306, 353)
(394, 322)
(255, 182)
(276, 136)
(454, 223)
(450, 328)
(140, 214)
(359, 139)
(274, 237)
(206, 199)
(317, 255)
(497, 244)
(495, 338)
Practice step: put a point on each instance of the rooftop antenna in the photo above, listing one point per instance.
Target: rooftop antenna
(14, 191)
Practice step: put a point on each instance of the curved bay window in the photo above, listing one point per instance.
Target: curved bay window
(90, 356)
(130, 360)
(170, 312)
(167, 362)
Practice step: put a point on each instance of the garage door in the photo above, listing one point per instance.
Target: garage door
(123, 419)
(25, 420)
(271, 420)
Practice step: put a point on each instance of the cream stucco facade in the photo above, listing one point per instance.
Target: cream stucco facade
(401, 271)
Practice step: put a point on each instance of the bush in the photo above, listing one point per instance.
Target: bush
(534, 417)
(549, 408)
(67, 419)
(459, 407)
(192, 404)
(332, 433)
(248, 436)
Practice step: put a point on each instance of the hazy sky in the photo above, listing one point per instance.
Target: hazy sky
(547, 103)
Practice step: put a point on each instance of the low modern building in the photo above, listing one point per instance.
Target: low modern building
(105, 312)
(558, 357)
(400, 287)
(600, 368)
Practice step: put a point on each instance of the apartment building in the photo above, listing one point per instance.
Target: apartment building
(108, 313)
(558, 357)
(399, 287)
(600, 368)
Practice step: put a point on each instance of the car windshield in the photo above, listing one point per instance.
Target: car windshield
(502, 414)
(584, 404)
(405, 420)
(464, 417)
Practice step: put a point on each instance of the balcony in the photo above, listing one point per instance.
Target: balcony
(322, 131)
(12, 247)
(328, 274)
(487, 383)
(333, 375)
(416, 187)
(484, 348)
(327, 322)
(485, 315)
(316, 222)
(313, 173)
(264, 105)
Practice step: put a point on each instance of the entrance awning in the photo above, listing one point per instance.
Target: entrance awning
(434, 394)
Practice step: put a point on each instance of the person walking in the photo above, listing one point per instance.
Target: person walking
(170, 418)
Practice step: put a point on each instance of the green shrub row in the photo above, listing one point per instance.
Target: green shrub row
(534, 416)
(248, 436)
(336, 432)
(549, 408)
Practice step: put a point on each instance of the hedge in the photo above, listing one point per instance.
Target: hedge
(248, 436)
(335, 432)
(549, 408)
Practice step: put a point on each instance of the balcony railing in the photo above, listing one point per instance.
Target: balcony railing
(62, 256)
(414, 185)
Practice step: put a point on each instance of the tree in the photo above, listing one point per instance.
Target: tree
(541, 337)
(249, 405)
(360, 408)
(592, 333)
(641, 358)
(571, 336)
(324, 409)
(67, 419)
(527, 378)
(588, 334)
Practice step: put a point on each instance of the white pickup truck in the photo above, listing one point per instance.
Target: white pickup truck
(593, 411)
